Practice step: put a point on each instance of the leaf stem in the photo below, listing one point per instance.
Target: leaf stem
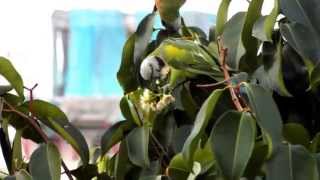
(33, 122)
(223, 52)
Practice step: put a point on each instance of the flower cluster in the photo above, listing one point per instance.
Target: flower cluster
(155, 102)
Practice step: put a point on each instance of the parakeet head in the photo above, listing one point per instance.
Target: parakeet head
(152, 68)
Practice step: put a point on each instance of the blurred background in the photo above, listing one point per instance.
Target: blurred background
(72, 50)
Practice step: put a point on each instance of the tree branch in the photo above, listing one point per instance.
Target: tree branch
(33, 122)
(222, 58)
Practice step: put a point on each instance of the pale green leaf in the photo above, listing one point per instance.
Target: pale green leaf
(45, 163)
(264, 26)
(222, 17)
(8, 71)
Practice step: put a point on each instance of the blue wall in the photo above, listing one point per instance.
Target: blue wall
(95, 47)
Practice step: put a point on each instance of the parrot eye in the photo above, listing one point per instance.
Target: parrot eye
(151, 67)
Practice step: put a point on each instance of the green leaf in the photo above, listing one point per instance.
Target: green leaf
(180, 136)
(122, 163)
(128, 83)
(12, 99)
(129, 110)
(6, 149)
(264, 26)
(270, 75)
(143, 37)
(137, 145)
(296, 134)
(222, 17)
(315, 144)
(5, 89)
(4, 139)
(234, 135)
(178, 168)
(184, 100)
(302, 39)
(114, 134)
(205, 157)
(151, 178)
(151, 171)
(266, 112)
(200, 125)
(292, 162)
(17, 160)
(45, 163)
(164, 128)
(237, 38)
(256, 161)
(54, 118)
(20, 175)
(303, 30)
(315, 77)
(85, 172)
(8, 71)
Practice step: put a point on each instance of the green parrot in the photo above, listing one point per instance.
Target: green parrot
(179, 59)
(169, 11)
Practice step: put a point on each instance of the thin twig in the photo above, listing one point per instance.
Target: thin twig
(213, 84)
(32, 121)
(222, 56)
(159, 145)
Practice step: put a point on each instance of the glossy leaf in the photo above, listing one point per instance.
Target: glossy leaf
(178, 168)
(255, 165)
(234, 134)
(151, 171)
(151, 178)
(222, 17)
(205, 157)
(54, 118)
(296, 71)
(45, 163)
(8, 71)
(292, 162)
(169, 9)
(129, 110)
(296, 134)
(4, 139)
(137, 145)
(302, 39)
(128, 83)
(202, 119)
(237, 38)
(85, 172)
(271, 74)
(315, 77)
(264, 26)
(114, 134)
(315, 144)
(6, 149)
(143, 37)
(5, 89)
(20, 175)
(17, 160)
(122, 162)
(266, 113)
(232, 39)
